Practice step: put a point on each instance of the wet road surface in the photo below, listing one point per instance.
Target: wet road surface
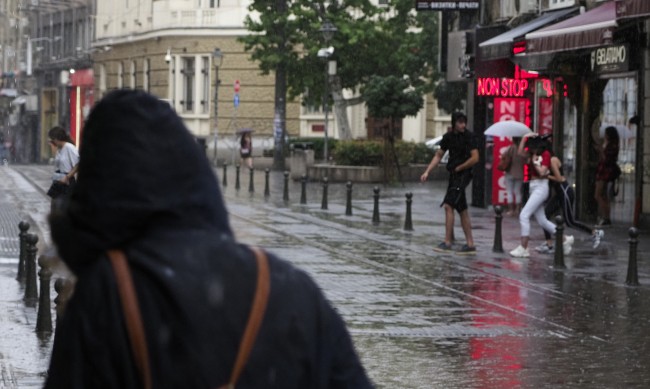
(419, 319)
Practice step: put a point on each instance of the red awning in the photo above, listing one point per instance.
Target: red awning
(632, 8)
(590, 29)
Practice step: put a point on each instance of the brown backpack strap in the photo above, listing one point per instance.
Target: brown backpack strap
(254, 318)
(135, 327)
(132, 316)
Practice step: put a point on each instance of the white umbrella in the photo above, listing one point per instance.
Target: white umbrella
(508, 128)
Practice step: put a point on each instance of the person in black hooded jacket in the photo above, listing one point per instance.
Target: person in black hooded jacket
(146, 187)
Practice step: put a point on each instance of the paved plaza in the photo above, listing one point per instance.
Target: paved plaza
(419, 319)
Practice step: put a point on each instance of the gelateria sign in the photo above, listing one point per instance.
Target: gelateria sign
(501, 87)
(610, 59)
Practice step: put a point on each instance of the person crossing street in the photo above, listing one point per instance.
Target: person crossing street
(463, 155)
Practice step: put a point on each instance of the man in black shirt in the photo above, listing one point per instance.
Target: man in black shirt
(463, 154)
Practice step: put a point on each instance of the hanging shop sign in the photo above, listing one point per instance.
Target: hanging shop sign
(610, 59)
(442, 5)
(501, 87)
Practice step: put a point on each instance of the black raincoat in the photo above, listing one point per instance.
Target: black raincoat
(146, 187)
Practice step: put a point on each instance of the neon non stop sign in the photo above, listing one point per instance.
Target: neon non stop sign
(501, 87)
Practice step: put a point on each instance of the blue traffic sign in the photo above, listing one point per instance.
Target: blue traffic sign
(236, 100)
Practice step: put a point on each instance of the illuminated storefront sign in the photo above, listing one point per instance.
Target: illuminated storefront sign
(501, 87)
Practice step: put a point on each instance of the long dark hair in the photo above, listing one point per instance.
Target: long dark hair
(612, 137)
(59, 133)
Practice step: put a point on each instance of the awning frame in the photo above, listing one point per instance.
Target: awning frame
(590, 29)
(501, 46)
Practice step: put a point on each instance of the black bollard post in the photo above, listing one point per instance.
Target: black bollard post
(348, 203)
(375, 210)
(31, 291)
(285, 197)
(251, 185)
(559, 243)
(323, 204)
(267, 189)
(23, 226)
(498, 238)
(44, 316)
(63, 289)
(632, 273)
(408, 223)
(224, 181)
(303, 192)
(237, 169)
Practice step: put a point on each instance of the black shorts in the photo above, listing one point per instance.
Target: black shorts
(455, 196)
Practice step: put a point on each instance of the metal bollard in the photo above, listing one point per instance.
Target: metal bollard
(323, 204)
(267, 189)
(31, 291)
(251, 185)
(285, 197)
(632, 273)
(375, 210)
(408, 223)
(237, 169)
(224, 182)
(303, 192)
(559, 243)
(348, 203)
(498, 237)
(44, 316)
(23, 226)
(63, 289)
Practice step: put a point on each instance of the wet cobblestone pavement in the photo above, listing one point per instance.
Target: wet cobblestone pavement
(419, 319)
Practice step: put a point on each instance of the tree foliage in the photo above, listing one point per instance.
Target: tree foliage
(371, 41)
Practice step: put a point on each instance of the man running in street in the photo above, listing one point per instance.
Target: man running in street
(463, 154)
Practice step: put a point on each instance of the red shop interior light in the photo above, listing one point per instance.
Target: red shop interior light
(519, 47)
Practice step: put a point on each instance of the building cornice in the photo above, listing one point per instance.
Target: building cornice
(176, 32)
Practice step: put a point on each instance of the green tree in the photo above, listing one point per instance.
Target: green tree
(391, 98)
(370, 40)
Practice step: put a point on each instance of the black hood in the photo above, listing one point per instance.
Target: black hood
(140, 170)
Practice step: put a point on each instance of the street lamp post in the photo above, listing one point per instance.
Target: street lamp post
(218, 59)
(328, 30)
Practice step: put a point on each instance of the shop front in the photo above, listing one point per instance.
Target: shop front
(594, 83)
(505, 91)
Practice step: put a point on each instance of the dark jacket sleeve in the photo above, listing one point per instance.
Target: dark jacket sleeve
(346, 369)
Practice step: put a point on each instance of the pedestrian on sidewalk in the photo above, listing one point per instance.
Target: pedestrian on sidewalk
(147, 189)
(537, 151)
(607, 172)
(463, 155)
(563, 199)
(514, 177)
(246, 149)
(66, 158)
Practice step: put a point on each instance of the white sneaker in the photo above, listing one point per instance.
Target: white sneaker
(598, 236)
(520, 252)
(544, 248)
(566, 246)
